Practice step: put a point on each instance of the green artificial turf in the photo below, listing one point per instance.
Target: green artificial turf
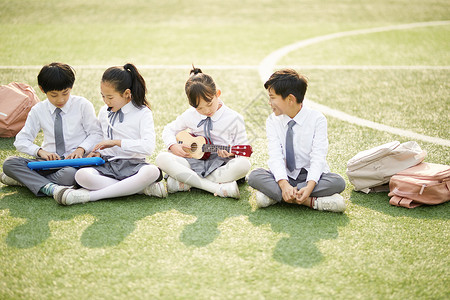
(197, 246)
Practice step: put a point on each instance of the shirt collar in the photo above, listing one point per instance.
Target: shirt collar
(127, 107)
(65, 109)
(219, 112)
(216, 115)
(299, 118)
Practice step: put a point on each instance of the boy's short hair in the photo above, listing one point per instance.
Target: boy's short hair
(287, 81)
(56, 77)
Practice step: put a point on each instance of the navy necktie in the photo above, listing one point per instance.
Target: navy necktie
(59, 135)
(208, 127)
(290, 156)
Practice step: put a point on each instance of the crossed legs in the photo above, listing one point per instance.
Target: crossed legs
(102, 187)
(179, 169)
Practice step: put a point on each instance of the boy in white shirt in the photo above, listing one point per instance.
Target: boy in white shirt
(78, 132)
(298, 145)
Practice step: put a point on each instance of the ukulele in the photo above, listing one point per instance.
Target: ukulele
(202, 147)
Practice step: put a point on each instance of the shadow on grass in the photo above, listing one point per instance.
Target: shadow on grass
(37, 213)
(305, 228)
(380, 202)
(116, 219)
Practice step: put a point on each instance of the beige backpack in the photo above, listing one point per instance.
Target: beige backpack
(374, 167)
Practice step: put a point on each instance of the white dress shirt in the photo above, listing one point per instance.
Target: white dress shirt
(80, 127)
(310, 144)
(136, 132)
(228, 127)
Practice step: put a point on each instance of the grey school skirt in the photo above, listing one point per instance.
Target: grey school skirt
(205, 167)
(120, 168)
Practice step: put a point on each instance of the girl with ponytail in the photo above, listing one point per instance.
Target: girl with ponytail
(129, 137)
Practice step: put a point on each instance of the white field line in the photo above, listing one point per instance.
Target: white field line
(268, 65)
(244, 67)
(381, 127)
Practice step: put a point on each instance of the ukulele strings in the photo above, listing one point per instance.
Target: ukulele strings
(214, 148)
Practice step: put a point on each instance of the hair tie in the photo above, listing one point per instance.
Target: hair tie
(195, 71)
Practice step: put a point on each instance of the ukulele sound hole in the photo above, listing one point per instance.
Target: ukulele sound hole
(194, 147)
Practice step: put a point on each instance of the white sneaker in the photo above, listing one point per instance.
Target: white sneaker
(263, 201)
(6, 180)
(157, 189)
(174, 185)
(229, 189)
(68, 196)
(334, 203)
(59, 188)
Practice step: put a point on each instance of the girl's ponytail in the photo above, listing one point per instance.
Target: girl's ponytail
(138, 87)
(195, 71)
(128, 77)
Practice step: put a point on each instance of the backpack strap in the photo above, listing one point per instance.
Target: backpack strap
(403, 202)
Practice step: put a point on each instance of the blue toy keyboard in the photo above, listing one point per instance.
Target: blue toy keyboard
(56, 164)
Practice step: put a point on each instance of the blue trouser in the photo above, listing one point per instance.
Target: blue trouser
(16, 167)
(264, 181)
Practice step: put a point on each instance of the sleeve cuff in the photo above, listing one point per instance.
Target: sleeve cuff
(125, 145)
(280, 176)
(314, 176)
(85, 146)
(170, 145)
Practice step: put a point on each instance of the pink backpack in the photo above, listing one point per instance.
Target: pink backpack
(16, 100)
(425, 183)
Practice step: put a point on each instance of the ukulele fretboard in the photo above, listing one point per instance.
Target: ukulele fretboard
(214, 148)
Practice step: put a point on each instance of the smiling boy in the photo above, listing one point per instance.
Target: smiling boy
(298, 144)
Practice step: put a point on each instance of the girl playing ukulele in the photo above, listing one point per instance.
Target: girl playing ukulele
(211, 118)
